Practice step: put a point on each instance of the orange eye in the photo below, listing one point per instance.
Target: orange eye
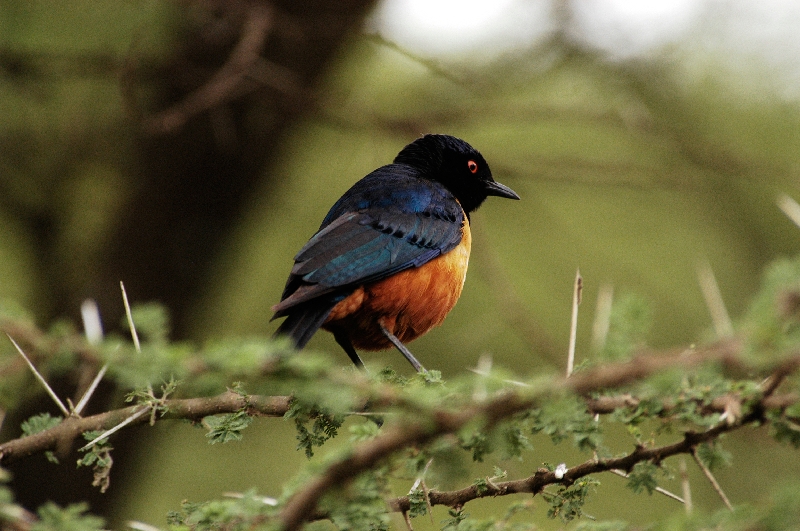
(472, 166)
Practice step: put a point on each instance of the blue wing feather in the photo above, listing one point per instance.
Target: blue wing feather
(369, 235)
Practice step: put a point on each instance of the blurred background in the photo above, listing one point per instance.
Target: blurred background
(190, 148)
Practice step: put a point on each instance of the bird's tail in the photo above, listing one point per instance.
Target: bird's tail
(303, 322)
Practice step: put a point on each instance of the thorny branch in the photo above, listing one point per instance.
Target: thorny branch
(193, 409)
(302, 506)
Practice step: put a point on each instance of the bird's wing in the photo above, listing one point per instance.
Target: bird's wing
(369, 245)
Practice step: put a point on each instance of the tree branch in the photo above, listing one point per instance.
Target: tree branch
(300, 507)
(194, 409)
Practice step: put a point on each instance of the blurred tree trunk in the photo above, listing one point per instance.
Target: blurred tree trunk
(227, 97)
(211, 117)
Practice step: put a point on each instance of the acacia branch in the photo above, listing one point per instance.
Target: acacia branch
(194, 409)
(542, 478)
(302, 506)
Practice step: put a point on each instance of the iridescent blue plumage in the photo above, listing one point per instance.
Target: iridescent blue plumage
(400, 216)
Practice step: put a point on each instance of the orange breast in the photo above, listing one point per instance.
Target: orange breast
(408, 304)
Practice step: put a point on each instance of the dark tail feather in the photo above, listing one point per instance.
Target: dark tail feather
(303, 322)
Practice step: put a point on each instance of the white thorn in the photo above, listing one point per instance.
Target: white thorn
(41, 379)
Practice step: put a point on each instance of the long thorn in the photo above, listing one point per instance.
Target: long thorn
(573, 328)
(90, 391)
(116, 428)
(134, 335)
(132, 326)
(665, 492)
(711, 479)
(93, 328)
(41, 379)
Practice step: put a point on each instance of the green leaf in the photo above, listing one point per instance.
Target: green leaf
(713, 455)
(226, 428)
(643, 477)
(39, 423)
(363, 431)
(98, 456)
(418, 503)
(568, 501)
(324, 425)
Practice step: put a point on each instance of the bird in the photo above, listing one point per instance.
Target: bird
(389, 260)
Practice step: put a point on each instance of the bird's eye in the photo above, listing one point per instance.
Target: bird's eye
(472, 166)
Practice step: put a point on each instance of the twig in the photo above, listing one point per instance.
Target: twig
(227, 83)
(686, 487)
(365, 455)
(711, 478)
(573, 328)
(41, 379)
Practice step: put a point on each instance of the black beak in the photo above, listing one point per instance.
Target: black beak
(500, 190)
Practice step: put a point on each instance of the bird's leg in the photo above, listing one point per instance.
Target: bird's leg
(345, 343)
(402, 348)
(347, 346)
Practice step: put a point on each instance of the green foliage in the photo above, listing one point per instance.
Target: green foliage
(227, 427)
(643, 477)
(146, 397)
(363, 431)
(360, 505)
(418, 502)
(41, 422)
(568, 500)
(152, 323)
(713, 456)
(70, 518)
(772, 323)
(562, 418)
(98, 456)
(476, 442)
(629, 324)
(784, 430)
(236, 514)
(324, 395)
(324, 425)
(458, 520)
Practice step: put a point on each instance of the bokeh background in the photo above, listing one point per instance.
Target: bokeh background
(189, 148)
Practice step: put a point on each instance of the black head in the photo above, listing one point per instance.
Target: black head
(457, 165)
